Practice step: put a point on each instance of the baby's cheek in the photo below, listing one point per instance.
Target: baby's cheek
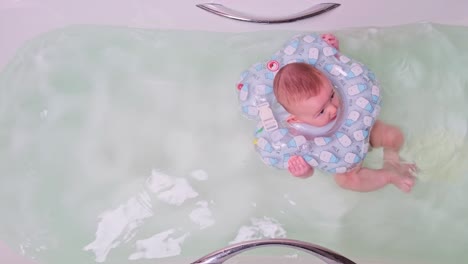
(335, 43)
(337, 101)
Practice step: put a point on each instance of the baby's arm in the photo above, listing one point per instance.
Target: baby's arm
(332, 40)
(298, 167)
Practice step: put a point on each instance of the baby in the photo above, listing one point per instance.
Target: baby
(310, 98)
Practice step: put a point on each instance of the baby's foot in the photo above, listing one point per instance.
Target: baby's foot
(401, 174)
(332, 40)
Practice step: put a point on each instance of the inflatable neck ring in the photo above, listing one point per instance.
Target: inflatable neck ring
(335, 148)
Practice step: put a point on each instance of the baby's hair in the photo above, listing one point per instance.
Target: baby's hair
(296, 82)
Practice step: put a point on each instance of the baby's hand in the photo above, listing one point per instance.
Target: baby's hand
(298, 167)
(332, 40)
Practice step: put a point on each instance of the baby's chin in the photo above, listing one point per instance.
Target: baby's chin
(317, 124)
(323, 124)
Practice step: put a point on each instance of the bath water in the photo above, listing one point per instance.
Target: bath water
(123, 145)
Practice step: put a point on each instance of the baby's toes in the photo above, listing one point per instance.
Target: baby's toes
(413, 170)
(405, 186)
(408, 183)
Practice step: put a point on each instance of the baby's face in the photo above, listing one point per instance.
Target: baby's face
(318, 110)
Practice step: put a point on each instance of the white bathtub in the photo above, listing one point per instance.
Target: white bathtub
(21, 20)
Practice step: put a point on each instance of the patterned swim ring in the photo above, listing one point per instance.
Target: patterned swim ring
(339, 146)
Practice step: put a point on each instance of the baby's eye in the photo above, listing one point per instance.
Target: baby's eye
(333, 95)
(321, 112)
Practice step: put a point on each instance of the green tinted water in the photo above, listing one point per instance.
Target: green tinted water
(121, 145)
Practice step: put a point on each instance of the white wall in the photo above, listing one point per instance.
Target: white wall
(21, 20)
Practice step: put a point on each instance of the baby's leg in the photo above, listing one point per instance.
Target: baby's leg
(332, 40)
(366, 180)
(391, 139)
(387, 136)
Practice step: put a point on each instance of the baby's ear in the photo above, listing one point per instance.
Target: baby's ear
(292, 119)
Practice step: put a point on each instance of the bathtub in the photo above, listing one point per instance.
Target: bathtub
(22, 20)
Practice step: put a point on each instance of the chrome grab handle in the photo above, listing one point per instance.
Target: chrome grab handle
(226, 253)
(223, 11)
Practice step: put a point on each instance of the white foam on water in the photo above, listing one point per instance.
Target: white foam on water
(122, 220)
(202, 215)
(265, 227)
(161, 245)
(200, 175)
(159, 181)
(119, 225)
(180, 191)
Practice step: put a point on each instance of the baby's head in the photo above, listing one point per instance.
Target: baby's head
(307, 94)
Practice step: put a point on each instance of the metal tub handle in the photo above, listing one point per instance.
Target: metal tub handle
(220, 256)
(223, 11)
